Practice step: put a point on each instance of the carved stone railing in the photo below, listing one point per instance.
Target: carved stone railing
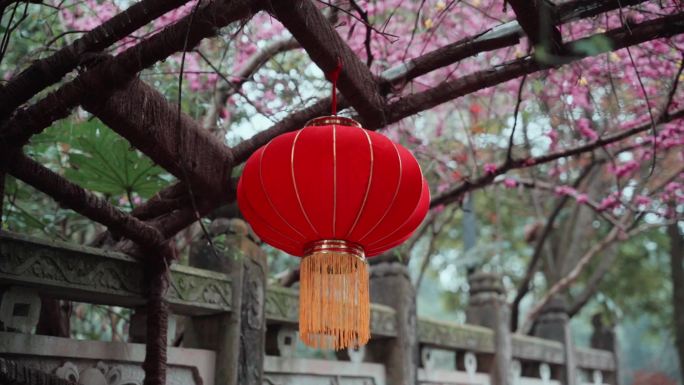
(91, 362)
(77, 273)
(85, 274)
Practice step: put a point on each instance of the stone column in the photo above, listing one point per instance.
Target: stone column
(238, 337)
(487, 306)
(554, 324)
(390, 285)
(604, 337)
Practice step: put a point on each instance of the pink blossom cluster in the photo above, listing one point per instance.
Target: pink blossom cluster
(612, 201)
(624, 169)
(674, 192)
(595, 97)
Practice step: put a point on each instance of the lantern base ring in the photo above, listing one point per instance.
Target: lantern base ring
(335, 246)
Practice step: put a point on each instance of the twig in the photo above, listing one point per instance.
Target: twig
(456, 193)
(524, 286)
(515, 118)
(180, 131)
(369, 30)
(648, 106)
(566, 281)
(431, 245)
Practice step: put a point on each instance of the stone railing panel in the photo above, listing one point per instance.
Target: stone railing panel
(537, 349)
(455, 336)
(85, 274)
(281, 370)
(60, 270)
(92, 362)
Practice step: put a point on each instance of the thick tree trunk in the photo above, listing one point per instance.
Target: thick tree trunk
(677, 271)
(54, 318)
(2, 192)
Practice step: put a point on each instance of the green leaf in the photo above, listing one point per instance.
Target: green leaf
(593, 46)
(98, 159)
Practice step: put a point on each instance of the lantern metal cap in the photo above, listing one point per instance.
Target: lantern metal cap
(330, 120)
(338, 246)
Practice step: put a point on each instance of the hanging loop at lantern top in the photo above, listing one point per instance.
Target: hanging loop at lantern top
(333, 76)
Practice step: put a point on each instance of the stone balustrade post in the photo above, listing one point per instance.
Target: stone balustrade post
(391, 285)
(487, 306)
(603, 337)
(554, 324)
(239, 336)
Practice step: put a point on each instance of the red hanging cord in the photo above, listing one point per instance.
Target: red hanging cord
(333, 76)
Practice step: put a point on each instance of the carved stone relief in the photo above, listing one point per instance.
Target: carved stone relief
(294, 371)
(100, 374)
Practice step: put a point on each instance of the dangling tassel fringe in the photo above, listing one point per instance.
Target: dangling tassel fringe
(334, 305)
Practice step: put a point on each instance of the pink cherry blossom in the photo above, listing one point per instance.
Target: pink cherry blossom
(490, 168)
(510, 183)
(584, 127)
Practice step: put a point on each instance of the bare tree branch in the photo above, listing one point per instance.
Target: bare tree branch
(569, 279)
(142, 115)
(99, 81)
(456, 193)
(224, 92)
(44, 72)
(524, 285)
(327, 49)
(593, 283)
(535, 19)
(619, 38)
(83, 202)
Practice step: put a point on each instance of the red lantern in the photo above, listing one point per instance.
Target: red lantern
(334, 194)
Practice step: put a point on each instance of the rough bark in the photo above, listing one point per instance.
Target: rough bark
(579, 9)
(157, 322)
(501, 36)
(82, 201)
(112, 73)
(44, 72)
(163, 202)
(535, 18)
(327, 48)
(54, 318)
(142, 115)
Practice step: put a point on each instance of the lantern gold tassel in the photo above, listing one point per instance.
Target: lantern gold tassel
(334, 308)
